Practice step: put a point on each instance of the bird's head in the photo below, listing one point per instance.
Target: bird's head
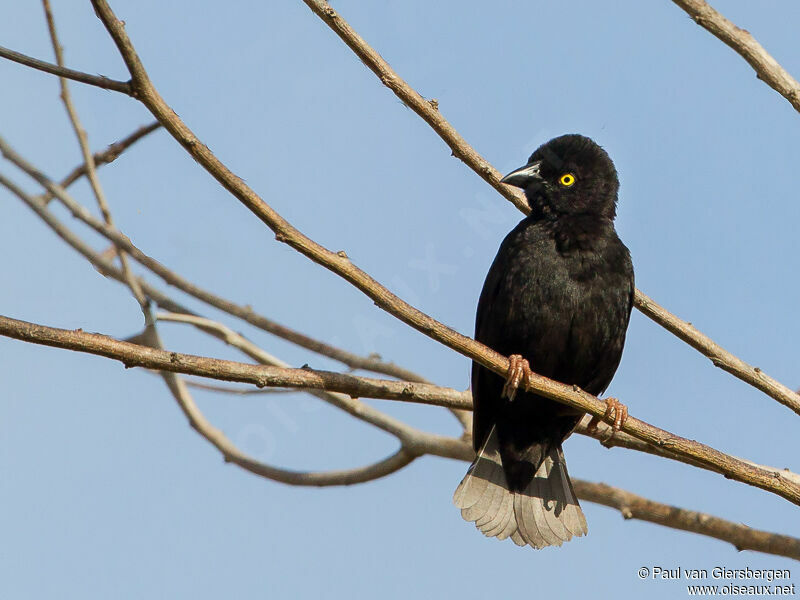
(570, 174)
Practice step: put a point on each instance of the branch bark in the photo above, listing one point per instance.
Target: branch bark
(743, 43)
(718, 356)
(40, 65)
(137, 355)
(88, 159)
(741, 536)
(105, 157)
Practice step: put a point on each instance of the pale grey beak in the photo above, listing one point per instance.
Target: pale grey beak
(524, 176)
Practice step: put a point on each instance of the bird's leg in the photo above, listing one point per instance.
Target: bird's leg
(614, 408)
(518, 368)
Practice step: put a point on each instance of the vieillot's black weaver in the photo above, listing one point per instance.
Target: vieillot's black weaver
(557, 300)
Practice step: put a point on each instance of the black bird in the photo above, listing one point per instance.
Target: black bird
(557, 300)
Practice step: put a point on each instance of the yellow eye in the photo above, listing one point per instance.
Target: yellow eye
(567, 179)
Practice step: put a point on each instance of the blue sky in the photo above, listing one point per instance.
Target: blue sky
(106, 490)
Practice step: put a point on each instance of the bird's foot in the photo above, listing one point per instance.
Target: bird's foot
(616, 414)
(518, 368)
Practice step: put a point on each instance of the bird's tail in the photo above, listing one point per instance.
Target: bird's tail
(545, 513)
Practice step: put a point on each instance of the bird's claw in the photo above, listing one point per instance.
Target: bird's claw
(616, 414)
(518, 368)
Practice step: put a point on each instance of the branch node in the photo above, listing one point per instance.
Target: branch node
(342, 254)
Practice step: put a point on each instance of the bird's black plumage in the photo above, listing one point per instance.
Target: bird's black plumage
(559, 293)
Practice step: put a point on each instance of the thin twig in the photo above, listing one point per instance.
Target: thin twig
(413, 439)
(603, 434)
(237, 391)
(426, 109)
(105, 157)
(231, 453)
(107, 269)
(636, 507)
(246, 313)
(717, 354)
(96, 80)
(766, 67)
(88, 160)
(347, 402)
(136, 355)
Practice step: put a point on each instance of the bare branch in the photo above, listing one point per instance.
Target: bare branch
(636, 507)
(413, 440)
(88, 159)
(246, 313)
(107, 269)
(346, 402)
(236, 391)
(134, 355)
(231, 453)
(603, 434)
(382, 468)
(426, 109)
(107, 156)
(718, 355)
(96, 80)
(767, 68)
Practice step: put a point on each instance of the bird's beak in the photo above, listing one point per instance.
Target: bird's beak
(524, 176)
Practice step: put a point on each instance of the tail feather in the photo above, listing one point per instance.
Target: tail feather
(554, 501)
(526, 523)
(504, 524)
(545, 513)
(572, 516)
